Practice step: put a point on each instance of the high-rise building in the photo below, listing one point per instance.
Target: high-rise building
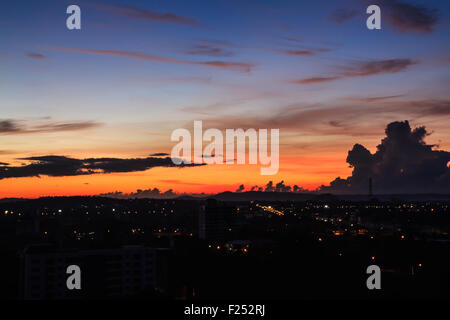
(215, 219)
(124, 271)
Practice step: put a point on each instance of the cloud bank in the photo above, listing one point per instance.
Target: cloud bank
(60, 166)
(403, 163)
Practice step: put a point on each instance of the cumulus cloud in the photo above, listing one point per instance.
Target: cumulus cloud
(59, 166)
(403, 163)
(147, 193)
(271, 187)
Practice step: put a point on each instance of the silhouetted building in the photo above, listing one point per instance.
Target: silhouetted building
(215, 219)
(120, 272)
(371, 197)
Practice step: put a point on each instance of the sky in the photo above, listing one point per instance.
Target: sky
(86, 112)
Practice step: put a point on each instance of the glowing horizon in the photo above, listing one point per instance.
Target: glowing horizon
(135, 72)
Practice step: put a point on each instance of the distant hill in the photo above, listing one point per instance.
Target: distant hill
(257, 196)
(4, 200)
(291, 196)
(267, 196)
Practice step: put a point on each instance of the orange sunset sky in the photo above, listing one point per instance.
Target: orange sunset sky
(137, 70)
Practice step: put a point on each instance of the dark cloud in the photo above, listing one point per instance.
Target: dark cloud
(148, 193)
(34, 55)
(9, 126)
(403, 163)
(408, 17)
(403, 16)
(281, 187)
(363, 69)
(59, 166)
(296, 188)
(278, 187)
(137, 13)
(269, 187)
(159, 154)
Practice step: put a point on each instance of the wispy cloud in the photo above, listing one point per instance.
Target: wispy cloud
(370, 68)
(362, 69)
(300, 52)
(297, 47)
(241, 66)
(313, 80)
(209, 50)
(291, 39)
(373, 99)
(351, 119)
(34, 55)
(220, 43)
(10, 126)
(138, 13)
